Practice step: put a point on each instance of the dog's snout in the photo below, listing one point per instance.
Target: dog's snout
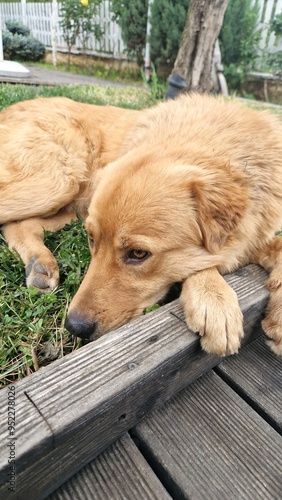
(80, 326)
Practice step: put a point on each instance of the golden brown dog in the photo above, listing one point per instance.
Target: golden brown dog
(197, 192)
(50, 151)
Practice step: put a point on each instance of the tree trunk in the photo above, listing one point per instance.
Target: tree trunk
(193, 65)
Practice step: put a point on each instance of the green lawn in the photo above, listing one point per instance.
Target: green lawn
(126, 97)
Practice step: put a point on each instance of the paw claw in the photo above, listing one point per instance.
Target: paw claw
(43, 276)
(40, 269)
(40, 283)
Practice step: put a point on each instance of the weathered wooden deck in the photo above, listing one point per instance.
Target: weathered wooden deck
(212, 427)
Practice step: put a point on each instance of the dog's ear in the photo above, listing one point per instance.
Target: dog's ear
(220, 205)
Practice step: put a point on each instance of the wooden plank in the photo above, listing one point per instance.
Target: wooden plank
(257, 375)
(88, 399)
(119, 472)
(207, 443)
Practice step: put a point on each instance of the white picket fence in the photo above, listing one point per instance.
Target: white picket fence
(38, 17)
(268, 10)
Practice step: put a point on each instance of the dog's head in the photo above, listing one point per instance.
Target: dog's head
(151, 223)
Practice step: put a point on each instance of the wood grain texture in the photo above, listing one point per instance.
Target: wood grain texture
(257, 375)
(119, 473)
(70, 411)
(207, 443)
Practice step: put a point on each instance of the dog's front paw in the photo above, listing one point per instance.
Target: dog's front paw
(211, 309)
(42, 273)
(272, 324)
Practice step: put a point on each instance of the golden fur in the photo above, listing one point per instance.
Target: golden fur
(196, 193)
(50, 151)
(192, 189)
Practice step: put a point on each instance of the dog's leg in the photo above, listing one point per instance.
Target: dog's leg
(211, 309)
(36, 196)
(26, 237)
(270, 257)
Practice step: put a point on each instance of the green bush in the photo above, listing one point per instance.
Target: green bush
(168, 18)
(78, 23)
(274, 61)
(19, 46)
(276, 25)
(239, 39)
(16, 27)
(132, 18)
(274, 58)
(22, 48)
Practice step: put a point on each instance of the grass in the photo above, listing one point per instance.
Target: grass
(31, 325)
(126, 97)
(97, 71)
(261, 105)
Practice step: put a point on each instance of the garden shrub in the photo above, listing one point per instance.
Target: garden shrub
(276, 24)
(274, 58)
(239, 39)
(16, 27)
(132, 18)
(78, 23)
(19, 45)
(168, 18)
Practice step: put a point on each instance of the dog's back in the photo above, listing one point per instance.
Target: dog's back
(50, 148)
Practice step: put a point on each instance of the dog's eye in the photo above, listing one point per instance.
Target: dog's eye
(91, 241)
(137, 255)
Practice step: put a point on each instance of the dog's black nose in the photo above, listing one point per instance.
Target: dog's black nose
(79, 326)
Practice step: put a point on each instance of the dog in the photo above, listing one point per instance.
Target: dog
(191, 191)
(195, 193)
(50, 152)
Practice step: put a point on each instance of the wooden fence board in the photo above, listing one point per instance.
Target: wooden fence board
(119, 472)
(207, 443)
(91, 397)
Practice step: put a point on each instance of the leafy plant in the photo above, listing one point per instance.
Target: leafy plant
(30, 321)
(70, 13)
(276, 24)
(157, 89)
(132, 18)
(168, 19)
(16, 27)
(18, 44)
(235, 75)
(167, 22)
(239, 39)
(78, 22)
(274, 59)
